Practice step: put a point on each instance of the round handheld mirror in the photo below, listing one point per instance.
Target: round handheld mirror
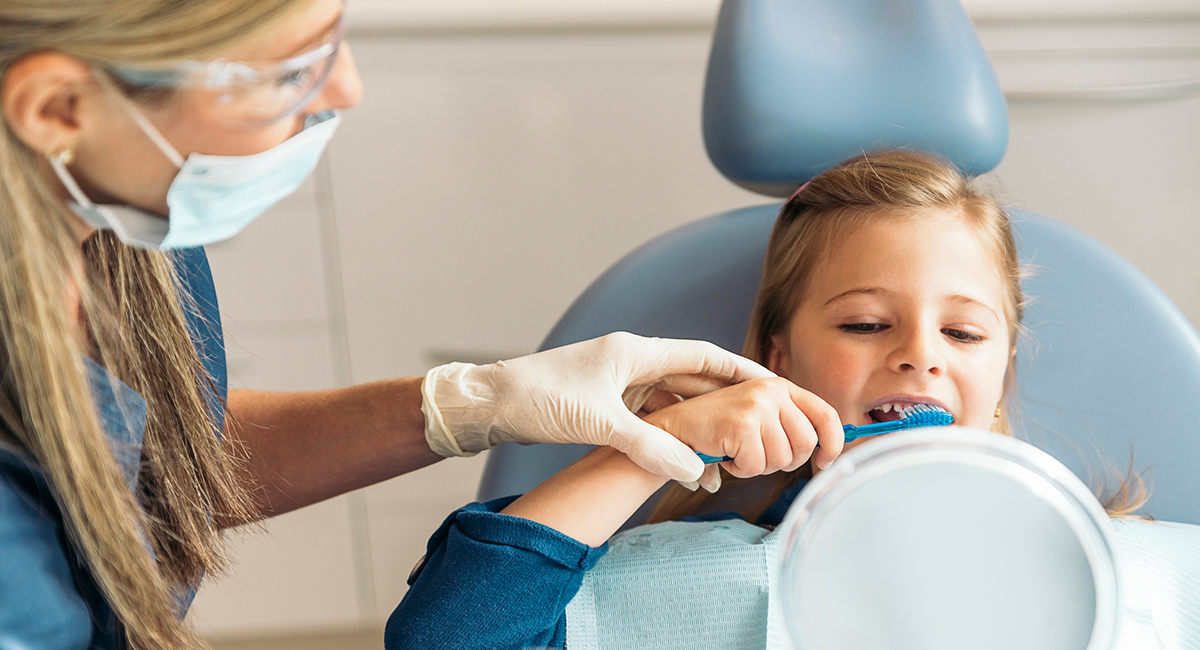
(948, 538)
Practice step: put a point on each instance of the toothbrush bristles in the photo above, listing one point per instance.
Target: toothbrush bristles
(926, 415)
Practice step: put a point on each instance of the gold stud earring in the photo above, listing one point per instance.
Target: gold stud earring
(63, 153)
(997, 412)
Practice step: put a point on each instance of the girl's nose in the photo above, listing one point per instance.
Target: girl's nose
(919, 352)
(343, 88)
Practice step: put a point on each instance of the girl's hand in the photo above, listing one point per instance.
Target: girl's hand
(764, 425)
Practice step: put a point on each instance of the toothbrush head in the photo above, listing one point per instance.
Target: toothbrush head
(920, 415)
(926, 415)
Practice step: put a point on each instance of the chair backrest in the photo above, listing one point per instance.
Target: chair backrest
(796, 86)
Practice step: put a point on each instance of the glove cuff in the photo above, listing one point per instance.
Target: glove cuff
(459, 409)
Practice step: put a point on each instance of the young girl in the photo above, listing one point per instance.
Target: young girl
(889, 282)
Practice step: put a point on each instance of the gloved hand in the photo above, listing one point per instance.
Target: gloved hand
(582, 393)
(764, 425)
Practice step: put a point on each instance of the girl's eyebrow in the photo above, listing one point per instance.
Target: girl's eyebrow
(846, 295)
(880, 291)
(966, 300)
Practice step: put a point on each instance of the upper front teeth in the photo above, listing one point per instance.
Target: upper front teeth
(899, 408)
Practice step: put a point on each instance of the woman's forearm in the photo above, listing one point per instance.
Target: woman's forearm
(305, 447)
(589, 500)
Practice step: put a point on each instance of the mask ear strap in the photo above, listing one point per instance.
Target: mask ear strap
(144, 124)
(154, 134)
(58, 162)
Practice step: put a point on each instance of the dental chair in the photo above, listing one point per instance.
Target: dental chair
(1108, 366)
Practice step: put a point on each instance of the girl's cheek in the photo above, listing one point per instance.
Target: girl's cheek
(980, 389)
(840, 363)
(843, 392)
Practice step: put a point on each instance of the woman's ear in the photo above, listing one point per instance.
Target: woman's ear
(41, 99)
(778, 358)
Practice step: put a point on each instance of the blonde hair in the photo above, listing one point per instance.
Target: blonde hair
(133, 324)
(893, 185)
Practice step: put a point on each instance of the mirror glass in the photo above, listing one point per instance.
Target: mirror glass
(948, 538)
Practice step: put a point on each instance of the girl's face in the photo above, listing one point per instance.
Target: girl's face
(901, 312)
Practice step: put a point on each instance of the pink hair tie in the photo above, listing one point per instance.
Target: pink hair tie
(798, 191)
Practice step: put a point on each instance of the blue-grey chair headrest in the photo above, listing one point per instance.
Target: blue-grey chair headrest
(796, 86)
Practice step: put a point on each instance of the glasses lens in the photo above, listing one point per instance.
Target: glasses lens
(277, 95)
(249, 93)
(263, 96)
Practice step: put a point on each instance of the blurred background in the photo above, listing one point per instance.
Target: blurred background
(507, 152)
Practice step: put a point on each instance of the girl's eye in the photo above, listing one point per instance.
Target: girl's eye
(863, 328)
(963, 336)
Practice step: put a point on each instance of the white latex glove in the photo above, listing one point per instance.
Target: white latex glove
(582, 393)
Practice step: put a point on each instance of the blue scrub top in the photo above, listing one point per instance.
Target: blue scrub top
(48, 598)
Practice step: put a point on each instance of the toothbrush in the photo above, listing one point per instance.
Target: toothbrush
(921, 415)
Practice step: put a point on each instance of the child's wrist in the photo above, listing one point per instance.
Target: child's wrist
(625, 469)
(589, 500)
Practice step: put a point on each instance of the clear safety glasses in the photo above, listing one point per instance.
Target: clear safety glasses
(250, 93)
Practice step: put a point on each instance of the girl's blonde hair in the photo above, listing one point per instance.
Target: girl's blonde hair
(889, 185)
(132, 321)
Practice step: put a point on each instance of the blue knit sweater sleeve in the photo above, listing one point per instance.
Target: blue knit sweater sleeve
(491, 581)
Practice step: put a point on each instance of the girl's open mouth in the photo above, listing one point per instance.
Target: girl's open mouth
(891, 411)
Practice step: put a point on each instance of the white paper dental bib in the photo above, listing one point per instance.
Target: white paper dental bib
(931, 539)
(1160, 585)
(682, 586)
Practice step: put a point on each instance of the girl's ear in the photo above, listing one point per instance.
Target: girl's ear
(778, 358)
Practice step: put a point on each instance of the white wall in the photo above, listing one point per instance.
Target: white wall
(501, 160)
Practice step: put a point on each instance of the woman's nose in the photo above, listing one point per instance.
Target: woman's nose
(919, 352)
(343, 88)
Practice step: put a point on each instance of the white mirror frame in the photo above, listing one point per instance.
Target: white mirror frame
(1046, 477)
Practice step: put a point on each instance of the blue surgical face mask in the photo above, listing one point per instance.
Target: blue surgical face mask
(212, 198)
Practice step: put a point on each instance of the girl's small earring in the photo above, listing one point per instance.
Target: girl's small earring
(997, 412)
(63, 153)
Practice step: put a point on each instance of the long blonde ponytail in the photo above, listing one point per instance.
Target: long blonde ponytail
(131, 320)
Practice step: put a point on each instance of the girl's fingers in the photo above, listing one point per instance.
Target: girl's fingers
(825, 421)
(765, 425)
(777, 444)
(800, 433)
(749, 459)
(659, 399)
(688, 386)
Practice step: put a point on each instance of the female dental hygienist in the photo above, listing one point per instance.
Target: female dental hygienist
(135, 132)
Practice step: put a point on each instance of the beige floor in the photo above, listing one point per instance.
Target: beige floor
(369, 639)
